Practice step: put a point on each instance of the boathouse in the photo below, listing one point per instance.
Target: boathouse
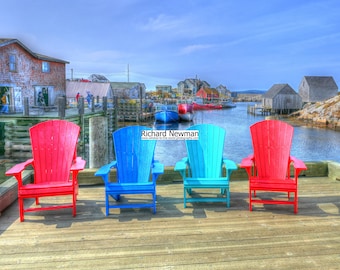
(317, 88)
(207, 93)
(282, 99)
(25, 73)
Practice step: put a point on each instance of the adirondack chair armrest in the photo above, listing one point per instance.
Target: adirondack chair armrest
(181, 166)
(298, 164)
(247, 164)
(104, 171)
(229, 164)
(157, 168)
(78, 165)
(17, 170)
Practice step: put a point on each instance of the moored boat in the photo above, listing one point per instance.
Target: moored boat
(208, 106)
(166, 113)
(228, 104)
(186, 111)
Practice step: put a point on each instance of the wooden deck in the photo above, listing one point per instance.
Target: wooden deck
(202, 236)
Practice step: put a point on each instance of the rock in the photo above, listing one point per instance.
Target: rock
(326, 113)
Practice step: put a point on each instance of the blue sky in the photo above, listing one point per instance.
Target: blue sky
(237, 43)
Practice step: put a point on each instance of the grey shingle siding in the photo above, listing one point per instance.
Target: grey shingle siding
(317, 88)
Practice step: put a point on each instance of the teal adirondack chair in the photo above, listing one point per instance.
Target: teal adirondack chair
(203, 167)
(136, 169)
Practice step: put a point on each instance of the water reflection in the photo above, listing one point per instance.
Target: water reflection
(309, 144)
(166, 126)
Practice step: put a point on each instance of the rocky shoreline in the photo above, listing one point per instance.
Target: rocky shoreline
(324, 114)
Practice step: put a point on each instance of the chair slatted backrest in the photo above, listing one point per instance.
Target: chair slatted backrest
(134, 156)
(272, 140)
(206, 154)
(54, 146)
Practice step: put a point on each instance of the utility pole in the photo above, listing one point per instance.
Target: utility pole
(128, 73)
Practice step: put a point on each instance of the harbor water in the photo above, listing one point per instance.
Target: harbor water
(309, 143)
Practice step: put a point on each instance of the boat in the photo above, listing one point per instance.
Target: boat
(186, 111)
(228, 104)
(207, 106)
(166, 113)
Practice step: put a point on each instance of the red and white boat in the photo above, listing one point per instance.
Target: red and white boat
(208, 106)
(186, 111)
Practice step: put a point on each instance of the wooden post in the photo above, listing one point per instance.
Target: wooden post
(81, 106)
(105, 104)
(26, 107)
(92, 104)
(81, 112)
(98, 138)
(61, 107)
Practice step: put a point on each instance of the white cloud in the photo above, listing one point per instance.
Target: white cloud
(162, 22)
(196, 47)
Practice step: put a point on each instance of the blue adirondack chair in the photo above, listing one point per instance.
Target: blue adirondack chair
(134, 165)
(203, 167)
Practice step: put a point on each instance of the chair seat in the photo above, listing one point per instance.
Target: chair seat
(135, 188)
(205, 183)
(273, 185)
(46, 189)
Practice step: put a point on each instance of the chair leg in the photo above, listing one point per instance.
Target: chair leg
(107, 204)
(228, 197)
(21, 209)
(295, 203)
(74, 203)
(250, 200)
(154, 202)
(185, 198)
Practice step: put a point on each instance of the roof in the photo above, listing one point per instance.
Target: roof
(209, 91)
(125, 85)
(279, 89)
(321, 82)
(95, 88)
(7, 41)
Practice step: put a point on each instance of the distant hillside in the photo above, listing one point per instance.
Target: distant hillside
(252, 92)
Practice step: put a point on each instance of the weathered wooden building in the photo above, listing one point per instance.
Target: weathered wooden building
(223, 91)
(97, 89)
(207, 93)
(25, 73)
(128, 90)
(191, 86)
(281, 98)
(317, 88)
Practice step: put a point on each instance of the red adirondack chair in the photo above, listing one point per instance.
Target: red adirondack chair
(269, 167)
(55, 165)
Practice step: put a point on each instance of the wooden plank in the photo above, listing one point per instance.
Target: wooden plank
(202, 236)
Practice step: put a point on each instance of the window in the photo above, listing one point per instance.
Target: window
(12, 63)
(45, 67)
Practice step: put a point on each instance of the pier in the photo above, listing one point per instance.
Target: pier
(201, 236)
(259, 110)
